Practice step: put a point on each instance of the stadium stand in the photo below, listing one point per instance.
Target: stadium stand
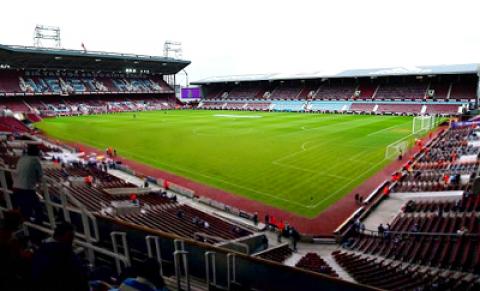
(443, 109)
(366, 90)
(431, 243)
(278, 254)
(13, 125)
(328, 91)
(149, 218)
(410, 91)
(44, 83)
(399, 108)
(315, 263)
(288, 105)
(393, 276)
(286, 92)
(362, 107)
(462, 90)
(444, 94)
(241, 92)
(435, 234)
(329, 106)
(261, 106)
(440, 90)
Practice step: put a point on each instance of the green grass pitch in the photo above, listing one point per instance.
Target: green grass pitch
(301, 163)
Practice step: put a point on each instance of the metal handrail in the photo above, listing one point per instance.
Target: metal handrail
(126, 252)
(210, 259)
(417, 233)
(82, 210)
(158, 251)
(178, 272)
(213, 237)
(231, 270)
(87, 245)
(5, 190)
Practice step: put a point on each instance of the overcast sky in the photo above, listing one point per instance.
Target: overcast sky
(263, 36)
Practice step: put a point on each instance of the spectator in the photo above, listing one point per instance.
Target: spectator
(414, 228)
(386, 191)
(386, 233)
(295, 236)
(410, 206)
(462, 230)
(15, 259)
(55, 266)
(236, 229)
(28, 174)
(396, 242)
(356, 225)
(88, 180)
(180, 214)
(255, 218)
(200, 222)
(265, 242)
(104, 166)
(440, 210)
(381, 229)
(134, 199)
(148, 278)
(194, 220)
(279, 235)
(362, 228)
(348, 243)
(206, 225)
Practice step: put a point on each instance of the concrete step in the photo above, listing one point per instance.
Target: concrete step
(196, 284)
(340, 271)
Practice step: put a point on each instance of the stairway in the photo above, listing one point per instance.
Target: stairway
(339, 270)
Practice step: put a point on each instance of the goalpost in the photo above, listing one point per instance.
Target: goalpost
(423, 124)
(420, 126)
(395, 149)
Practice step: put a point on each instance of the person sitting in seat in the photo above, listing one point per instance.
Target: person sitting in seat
(148, 278)
(15, 257)
(55, 266)
(462, 230)
(195, 220)
(180, 214)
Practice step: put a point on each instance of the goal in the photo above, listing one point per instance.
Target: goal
(422, 124)
(395, 149)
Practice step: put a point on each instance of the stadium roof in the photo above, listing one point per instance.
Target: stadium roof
(358, 73)
(25, 57)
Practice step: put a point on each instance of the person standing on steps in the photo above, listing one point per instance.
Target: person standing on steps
(27, 175)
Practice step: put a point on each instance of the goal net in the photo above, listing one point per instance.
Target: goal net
(423, 124)
(395, 149)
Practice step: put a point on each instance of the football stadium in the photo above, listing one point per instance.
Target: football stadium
(116, 173)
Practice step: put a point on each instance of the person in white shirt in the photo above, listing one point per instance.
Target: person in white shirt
(25, 179)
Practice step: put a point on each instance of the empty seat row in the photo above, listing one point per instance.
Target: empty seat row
(313, 262)
(390, 275)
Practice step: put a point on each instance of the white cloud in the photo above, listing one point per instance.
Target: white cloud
(239, 37)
